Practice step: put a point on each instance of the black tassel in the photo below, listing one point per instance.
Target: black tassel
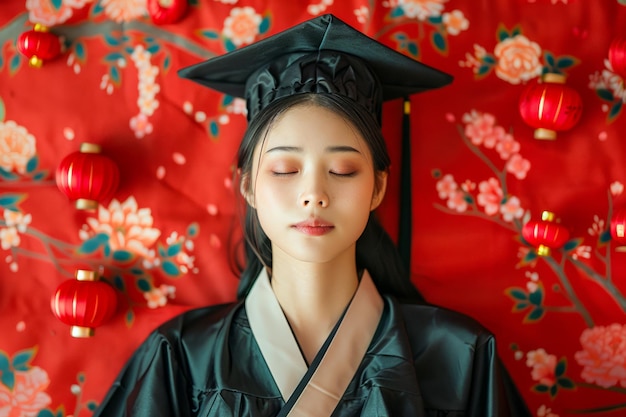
(404, 221)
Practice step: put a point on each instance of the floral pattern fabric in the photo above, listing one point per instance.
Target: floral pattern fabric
(167, 239)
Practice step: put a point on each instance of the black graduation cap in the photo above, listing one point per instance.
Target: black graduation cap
(325, 55)
(321, 55)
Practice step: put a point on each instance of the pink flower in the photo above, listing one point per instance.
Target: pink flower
(44, 12)
(17, 146)
(242, 26)
(518, 59)
(128, 226)
(490, 196)
(456, 201)
(507, 146)
(493, 138)
(543, 366)
(124, 10)
(518, 166)
(511, 209)
(455, 22)
(28, 396)
(446, 186)
(422, 9)
(141, 125)
(478, 126)
(604, 355)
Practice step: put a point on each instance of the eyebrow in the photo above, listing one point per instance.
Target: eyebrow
(332, 149)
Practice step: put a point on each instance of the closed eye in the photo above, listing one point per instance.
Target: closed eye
(343, 174)
(283, 174)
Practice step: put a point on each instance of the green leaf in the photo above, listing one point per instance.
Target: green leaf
(536, 297)
(107, 251)
(502, 33)
(32, 164)
(136, 271)
(110, 40)
(167, 62)
(209, 34)
(265, 25)
(226, 100)
(113, 57)
(4, 362)
(173, 250)
(193, 229)
(566, 383)
(489, 59)
(118, 282)
(517, 294)
(572, 244)
(79, 50)
(6, 175)
(553, 390)
(97, 9)
(3, 112)
(11, 200)
(535, 314)
(615, 111)
(57, 4)
(114, 74)
(123, 255)
(129, 318)
(40, 175)
(161, 250)
(397, 12)
(605, 94)
(143, 285)
(214, 128)
(549, 59)
(21, 360)
(400, 37)
(15, 63)
(170, 268)
(45, 413)
(153, 49)
(468, 198)
(8, 379)
(520, 307)
(91, 245)
(560, 368)
(80, 377)
(483, 70)
(604, 237)
(541, 388)
(566, 62)
(412, 48)
(516, 31)
(435, 20)
(440, 42)
(92, 405)
(229, 45)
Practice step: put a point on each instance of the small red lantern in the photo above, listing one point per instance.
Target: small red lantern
(39, 45)
(87, 177)
(617, 56)
(166, 11)
(84, 303)
(550, 106)
(545, 234)
(618, 230)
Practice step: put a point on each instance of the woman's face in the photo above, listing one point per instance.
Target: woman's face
(313, 185)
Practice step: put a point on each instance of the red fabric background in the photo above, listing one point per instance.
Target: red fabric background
(569, 357)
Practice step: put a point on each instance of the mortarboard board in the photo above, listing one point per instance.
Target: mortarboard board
(321, 55)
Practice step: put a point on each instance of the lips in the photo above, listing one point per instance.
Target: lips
(314, 227)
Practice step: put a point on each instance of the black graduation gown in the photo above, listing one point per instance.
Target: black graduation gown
(422, 361)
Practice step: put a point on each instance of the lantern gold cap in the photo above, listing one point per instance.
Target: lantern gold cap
(552, 77)
(82, 332)
(86, 275)
(87, 147)
(545, 134)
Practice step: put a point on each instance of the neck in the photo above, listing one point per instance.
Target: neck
(313, 296)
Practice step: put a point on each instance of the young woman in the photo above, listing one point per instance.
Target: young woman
(328, 322)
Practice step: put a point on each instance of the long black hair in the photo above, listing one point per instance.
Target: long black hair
(375, 250)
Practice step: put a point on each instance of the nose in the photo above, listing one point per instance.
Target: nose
(314, 194)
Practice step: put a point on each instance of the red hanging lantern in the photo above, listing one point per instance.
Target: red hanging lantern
(166, 11)
(550, 106)
(39, 45)
(618, 230)
(84, 303)
(617, 56)
(87, 177)
(545, 234)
